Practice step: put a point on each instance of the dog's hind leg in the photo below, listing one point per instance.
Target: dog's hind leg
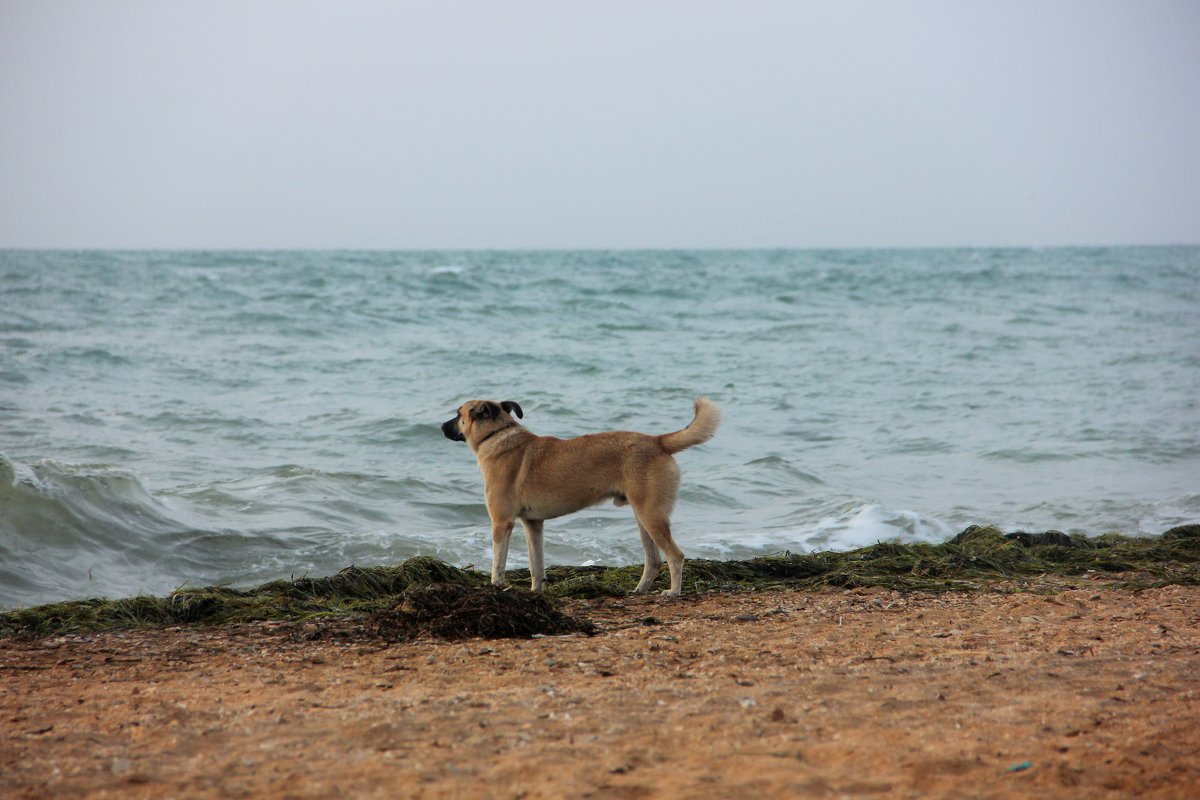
(501, 531)
(659, 530)
(652, 499)
(537, 566)
(652, 562)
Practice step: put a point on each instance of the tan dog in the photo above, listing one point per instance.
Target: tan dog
(536, 478)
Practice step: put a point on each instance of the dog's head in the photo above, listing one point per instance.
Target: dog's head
(477, 418)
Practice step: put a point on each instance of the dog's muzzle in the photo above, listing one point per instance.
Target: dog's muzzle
(450, 429)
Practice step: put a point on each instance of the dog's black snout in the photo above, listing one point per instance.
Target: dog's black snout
(451, 432)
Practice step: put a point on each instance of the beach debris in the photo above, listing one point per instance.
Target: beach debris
(1024, 765)
(451, 611)
(1055, 538)
(1182, 532)
(978, 558)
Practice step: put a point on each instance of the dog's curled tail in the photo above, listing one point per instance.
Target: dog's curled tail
(699, 430)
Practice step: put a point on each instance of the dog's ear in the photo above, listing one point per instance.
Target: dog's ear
(488, 410)
(513, 407)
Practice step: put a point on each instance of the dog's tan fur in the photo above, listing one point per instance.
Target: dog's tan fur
(535, 478)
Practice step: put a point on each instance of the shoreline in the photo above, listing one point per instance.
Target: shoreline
(1075, 689)
(979, 558)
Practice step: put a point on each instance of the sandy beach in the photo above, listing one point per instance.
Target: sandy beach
(1070, 691)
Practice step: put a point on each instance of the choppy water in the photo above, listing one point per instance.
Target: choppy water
(203, 417)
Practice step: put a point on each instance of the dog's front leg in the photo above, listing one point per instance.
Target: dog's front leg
(501, 531)
(537, 566)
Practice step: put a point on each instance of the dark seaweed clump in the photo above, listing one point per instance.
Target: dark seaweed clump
(453, 611)
(979, 558)
(353, 591)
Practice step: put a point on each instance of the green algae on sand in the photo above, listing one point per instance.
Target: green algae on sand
(978, 559)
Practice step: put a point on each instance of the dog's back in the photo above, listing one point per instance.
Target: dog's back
(614, 465)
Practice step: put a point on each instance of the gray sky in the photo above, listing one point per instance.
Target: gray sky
(602, 124)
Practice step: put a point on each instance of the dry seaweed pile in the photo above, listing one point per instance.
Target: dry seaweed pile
(354, 590)
(978, 558)
(451, 611)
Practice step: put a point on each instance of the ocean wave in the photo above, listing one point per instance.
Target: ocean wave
(844, 525)
(1027, 455)
(80, 530)
(44, 498)
(769, 475)
(399, 430)
(14, 321)
(76, 530)
(292, 496)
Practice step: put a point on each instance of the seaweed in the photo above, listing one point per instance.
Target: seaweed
(454, 611)
(981, 558)
(352, 590)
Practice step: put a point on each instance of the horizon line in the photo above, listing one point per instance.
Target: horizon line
(580, 249)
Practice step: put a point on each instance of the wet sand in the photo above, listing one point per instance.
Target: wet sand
(1082, 691)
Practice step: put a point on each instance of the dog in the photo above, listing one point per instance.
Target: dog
(535, 478)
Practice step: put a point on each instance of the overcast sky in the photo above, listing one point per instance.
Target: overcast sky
(554, 124)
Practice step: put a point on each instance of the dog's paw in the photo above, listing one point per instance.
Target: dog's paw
(670, 593)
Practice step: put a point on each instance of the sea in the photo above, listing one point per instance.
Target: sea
(182, 419)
